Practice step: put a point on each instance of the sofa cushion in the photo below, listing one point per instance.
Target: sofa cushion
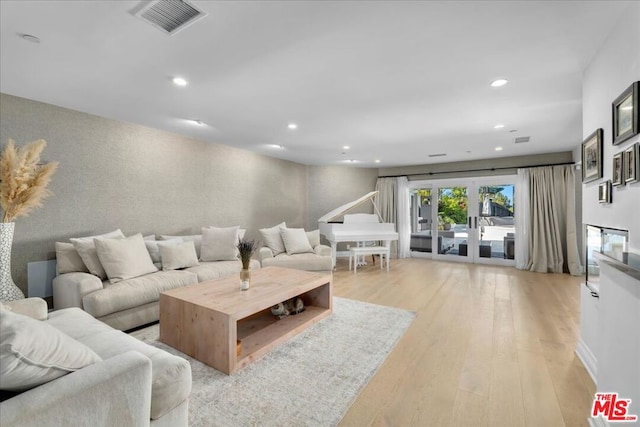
(135, 292)
(123, 259)
(314, 238)
(171, 375)
(68, 260)
(175, 256)
(33, 353)
(87, 251)
(219, 244)
(195, 238)
(154, 250)
(272, 239)
(295, 241)
(308, 262)
(215, 270)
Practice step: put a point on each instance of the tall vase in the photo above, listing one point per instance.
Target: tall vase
(8, 290)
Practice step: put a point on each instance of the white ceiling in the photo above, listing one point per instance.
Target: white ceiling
(396, 81)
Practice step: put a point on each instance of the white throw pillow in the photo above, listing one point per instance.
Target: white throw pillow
(295, 241)
(195, 238)
(219, 244)
(272, 239)
(123, 259)
(33, 352)
(154, 251)
(180, 255)
(314, 238)
(68, 259)
(87, 251)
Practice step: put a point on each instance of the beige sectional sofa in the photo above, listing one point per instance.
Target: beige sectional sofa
(132, 301)
(101, 376)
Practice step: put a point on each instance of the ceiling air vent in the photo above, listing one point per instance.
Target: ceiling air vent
(170, 16)
(521, 140)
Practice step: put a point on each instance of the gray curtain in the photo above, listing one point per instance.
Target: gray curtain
(386, 200)
(553, 243)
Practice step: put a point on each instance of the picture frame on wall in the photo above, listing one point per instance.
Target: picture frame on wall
(632, 163)
(604, 192)
(618, 169)
(625, 114)
(592, 156)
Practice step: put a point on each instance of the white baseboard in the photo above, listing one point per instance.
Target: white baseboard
(588, 360)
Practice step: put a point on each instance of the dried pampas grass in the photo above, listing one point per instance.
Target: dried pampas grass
(23, 181)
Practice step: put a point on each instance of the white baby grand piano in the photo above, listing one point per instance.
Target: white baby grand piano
(356, 227)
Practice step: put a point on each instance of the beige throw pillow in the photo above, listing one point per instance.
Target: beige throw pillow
(87, 251)
(180, 255)
(195, 238)
(219, 244)
(272, 239)
(68, 260)
(33, 352)
(154, 250)
(314, 238)
(123, 259)
(295, 241)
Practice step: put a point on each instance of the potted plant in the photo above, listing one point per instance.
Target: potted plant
(23, 187)
(246, 248)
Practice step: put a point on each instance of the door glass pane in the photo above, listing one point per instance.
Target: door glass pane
(421, 220)
(496, 229)
(452, 221)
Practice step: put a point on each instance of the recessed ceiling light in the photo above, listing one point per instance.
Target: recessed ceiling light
(498, 126)
(30, 38)
(498, 148)
(499, 82)
(196, 122)
(377, 161)
(292, 126)
(346, 147)
(179, 81)
(278, 146)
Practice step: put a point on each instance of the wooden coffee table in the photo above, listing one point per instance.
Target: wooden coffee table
(206, 320)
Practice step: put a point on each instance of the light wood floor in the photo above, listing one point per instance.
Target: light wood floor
(490, 346)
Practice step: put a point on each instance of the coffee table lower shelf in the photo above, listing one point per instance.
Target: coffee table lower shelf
(260, 333)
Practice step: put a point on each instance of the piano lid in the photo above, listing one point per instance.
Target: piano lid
(347, 207)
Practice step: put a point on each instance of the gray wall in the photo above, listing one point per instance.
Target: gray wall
(333, 186)
(120, 175)
(613, 69)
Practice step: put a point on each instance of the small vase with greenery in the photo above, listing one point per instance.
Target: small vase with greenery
(246, 248)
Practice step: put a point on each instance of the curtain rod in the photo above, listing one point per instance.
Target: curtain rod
(477, 170)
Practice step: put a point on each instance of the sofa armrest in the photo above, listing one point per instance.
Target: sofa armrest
(264, 253)
(70, 288)
(322, 250)
(35, 308)
(114, 392)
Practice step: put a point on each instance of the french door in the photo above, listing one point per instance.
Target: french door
(470, 220)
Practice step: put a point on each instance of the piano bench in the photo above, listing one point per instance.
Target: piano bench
(355, 252)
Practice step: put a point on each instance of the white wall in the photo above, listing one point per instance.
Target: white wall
(613, 69)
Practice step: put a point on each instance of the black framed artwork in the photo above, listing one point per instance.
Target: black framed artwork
(604, 192)
(618, 169)
(632, 163)
(625, 114)
(592, 157)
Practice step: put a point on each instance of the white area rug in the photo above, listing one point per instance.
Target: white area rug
(310, 380)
